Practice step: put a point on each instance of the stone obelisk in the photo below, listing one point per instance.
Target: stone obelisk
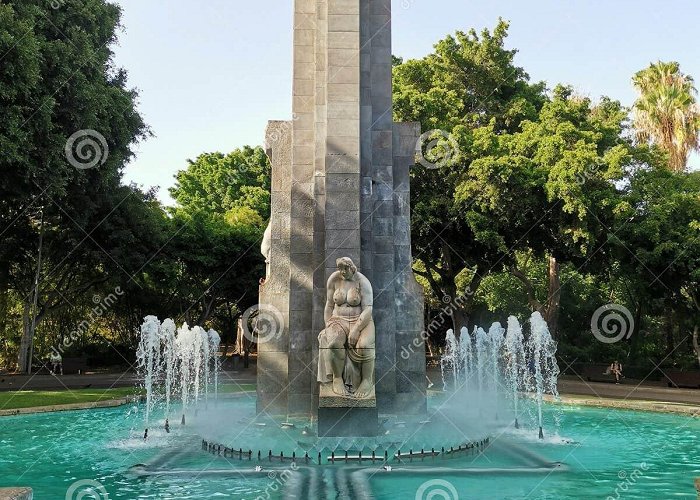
(340, 188)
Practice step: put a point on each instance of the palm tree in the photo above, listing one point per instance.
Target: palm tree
(667, 112)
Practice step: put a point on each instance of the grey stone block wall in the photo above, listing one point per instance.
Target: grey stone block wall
(340, 188)
(273, 356)
(410, 348)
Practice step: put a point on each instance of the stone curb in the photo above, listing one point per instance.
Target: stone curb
(655, 406)
(109, 403)
(16, 494)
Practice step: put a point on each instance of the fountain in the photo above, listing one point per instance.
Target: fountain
(485, 374)
(515, 364)
(494, 370)
(542, 363)
(176, 365)
(341, 370)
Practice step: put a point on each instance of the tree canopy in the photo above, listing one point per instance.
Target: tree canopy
(524, 197)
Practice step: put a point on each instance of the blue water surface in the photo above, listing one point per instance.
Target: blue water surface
(605, 453)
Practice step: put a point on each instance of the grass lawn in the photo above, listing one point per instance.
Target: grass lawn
(232, 388)
(12, 400)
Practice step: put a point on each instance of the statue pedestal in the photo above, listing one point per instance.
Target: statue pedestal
(340, 416)
(347, 422)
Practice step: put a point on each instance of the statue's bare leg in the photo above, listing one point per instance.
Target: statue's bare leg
(366, 342)
(367, 384)
(338, 364)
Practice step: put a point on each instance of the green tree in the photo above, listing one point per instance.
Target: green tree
(657, 237)
(223, 204)
(548, 188)
(469, 81)
(666, 112)
(57, 78)
(218, 183)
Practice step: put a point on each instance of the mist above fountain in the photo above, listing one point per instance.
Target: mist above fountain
(176, 366)
(500, 372)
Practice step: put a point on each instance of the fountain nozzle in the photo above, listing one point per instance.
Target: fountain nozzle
(541, 433)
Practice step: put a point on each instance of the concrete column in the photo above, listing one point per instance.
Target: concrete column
(273, 355)
(340, 188)
(410, 347)
(303, 205)
(342, 223)
(320, 180)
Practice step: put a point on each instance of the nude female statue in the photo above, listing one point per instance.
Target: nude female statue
(346, 346)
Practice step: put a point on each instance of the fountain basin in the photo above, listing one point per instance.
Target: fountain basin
(591, 450)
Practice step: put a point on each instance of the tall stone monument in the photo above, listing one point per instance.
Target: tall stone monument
(340, 189)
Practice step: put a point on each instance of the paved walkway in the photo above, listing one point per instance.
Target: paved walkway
(569, 386)
(629, 389)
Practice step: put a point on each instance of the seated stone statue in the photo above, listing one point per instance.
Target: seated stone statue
(346, 346)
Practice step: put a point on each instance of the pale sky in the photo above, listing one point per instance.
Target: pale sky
(211, 73)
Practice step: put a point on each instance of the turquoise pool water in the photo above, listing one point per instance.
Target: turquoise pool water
(605, 454)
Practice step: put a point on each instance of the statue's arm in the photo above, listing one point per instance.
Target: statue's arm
(367, 303)
(330, 290)
(266, 244)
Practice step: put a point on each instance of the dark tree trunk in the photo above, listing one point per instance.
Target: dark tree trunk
(696, 342)
(636, 338)
(23, 358)
(529, 288)
(668, 328)
(4, 295)
(460, 319)
(554, 297)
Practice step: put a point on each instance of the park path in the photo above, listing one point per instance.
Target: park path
(630, 389)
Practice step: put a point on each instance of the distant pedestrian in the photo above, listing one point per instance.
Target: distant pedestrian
(56, 363)
(616, 369)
